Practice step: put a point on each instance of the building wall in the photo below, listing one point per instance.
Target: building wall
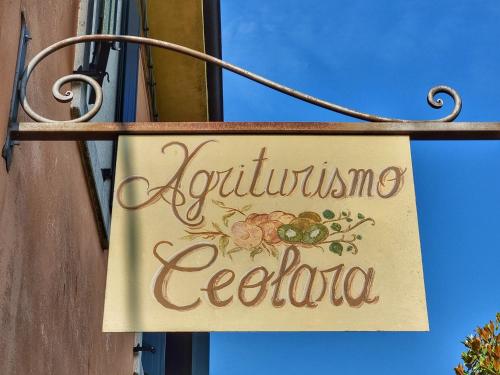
(52, 268)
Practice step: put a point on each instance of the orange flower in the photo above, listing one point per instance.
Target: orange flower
(257, 219)
(270, 231)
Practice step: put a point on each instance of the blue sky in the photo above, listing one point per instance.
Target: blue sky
(382, 57)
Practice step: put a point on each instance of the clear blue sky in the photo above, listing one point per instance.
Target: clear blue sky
(381, 57)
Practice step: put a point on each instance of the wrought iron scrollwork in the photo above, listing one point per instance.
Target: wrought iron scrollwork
(68, 95)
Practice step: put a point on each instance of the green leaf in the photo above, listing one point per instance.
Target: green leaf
(255, 251)
(191, 236)
(328, 214)
(274, 251)
(235, 250)
(225, 218)
(361, 216)
(218, 203)
(349, 248)
(336, 227)
(223, 242)
(348, 219)
(359, 237)
(246, 208)
(336, 247)
(344, 213)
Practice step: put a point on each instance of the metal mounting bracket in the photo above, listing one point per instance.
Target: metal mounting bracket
(13, 124)
(97, 67)
(67, 96)
(144, 348)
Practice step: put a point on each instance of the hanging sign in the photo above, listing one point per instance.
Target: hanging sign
(264, 233)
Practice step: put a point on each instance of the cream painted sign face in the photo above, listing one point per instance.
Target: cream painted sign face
(264, 233)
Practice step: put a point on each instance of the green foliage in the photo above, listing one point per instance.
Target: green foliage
(336, 247)
(328, 214)
(482, 356)
(223, 242)
(336, 227)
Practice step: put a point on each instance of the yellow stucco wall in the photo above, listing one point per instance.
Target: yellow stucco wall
(180, 81)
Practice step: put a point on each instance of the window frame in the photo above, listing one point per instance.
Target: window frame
(98, 16)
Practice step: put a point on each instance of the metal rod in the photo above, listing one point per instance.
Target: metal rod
(98, 131)
(68, 95)
(24, 37)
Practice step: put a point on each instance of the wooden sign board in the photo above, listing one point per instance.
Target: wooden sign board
(264, 233)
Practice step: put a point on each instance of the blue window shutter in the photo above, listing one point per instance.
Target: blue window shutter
(126, 110)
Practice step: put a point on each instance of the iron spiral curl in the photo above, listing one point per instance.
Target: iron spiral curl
(68, 95)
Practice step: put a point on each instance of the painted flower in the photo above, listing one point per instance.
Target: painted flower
(257, 219)
(246, 235)
(268, 224)
(270, 231)
(266, 232)
(283, 217)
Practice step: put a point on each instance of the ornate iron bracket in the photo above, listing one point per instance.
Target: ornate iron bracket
(95, 80)
(68, 95)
